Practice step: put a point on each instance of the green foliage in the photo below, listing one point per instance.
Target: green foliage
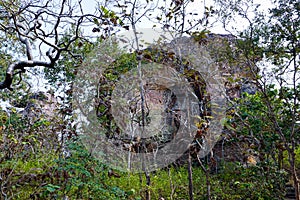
(254, 112)
(23, 164)
(81, 176)
(282, 31)
(123, 64)
(257, 182)
(233, 182)
(32, 164)
(164, 183)
(286, 157)
(200, 36)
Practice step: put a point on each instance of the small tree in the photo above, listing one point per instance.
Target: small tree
(271, 43)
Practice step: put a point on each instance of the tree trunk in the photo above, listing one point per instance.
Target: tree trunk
(148, 182)
(190, 174)
(171, 184)
(294, 174)
(207, 178)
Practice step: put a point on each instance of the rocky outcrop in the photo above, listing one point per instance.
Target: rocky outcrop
(196, 59)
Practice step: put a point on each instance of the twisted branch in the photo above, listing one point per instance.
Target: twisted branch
(27, 24)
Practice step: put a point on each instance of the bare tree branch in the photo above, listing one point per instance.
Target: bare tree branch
(42, 23)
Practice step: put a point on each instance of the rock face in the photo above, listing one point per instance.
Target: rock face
(221, 58)
(198, 60)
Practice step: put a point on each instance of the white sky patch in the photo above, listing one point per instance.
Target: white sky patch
(146, 37)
